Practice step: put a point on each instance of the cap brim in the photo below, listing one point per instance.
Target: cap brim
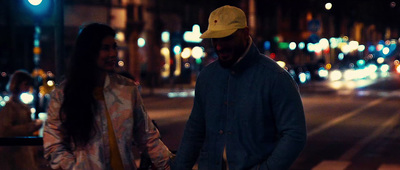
(218, 33)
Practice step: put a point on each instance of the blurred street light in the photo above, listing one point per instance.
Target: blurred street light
(165, 36)
(197, 52)
(194, 35)
(292, 45)
(35, 2)
(141, 42)
(39, 8)
(177, 49)
(186, 53)
(120, 36)
(328, 6)
(393, 4)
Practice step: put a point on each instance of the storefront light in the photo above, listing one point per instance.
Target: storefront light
(301, 45)
(177, 49)
(186, 53)
(165, 36)
(292, 45)
(26, 98)
(197, 52)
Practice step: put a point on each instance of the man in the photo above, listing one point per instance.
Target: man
(247, 111)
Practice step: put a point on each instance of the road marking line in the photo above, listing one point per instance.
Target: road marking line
(349, 154)
(344, 117)
(329, 165)
(342, 165)
(389, 167)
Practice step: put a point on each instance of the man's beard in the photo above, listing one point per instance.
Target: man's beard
(227, 64)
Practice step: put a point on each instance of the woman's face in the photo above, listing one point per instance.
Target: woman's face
(107, 58)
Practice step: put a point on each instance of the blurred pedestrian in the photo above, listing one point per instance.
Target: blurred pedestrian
(96, 115)
(247, 111)
(16, 121)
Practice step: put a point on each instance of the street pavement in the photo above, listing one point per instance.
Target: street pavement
(379, 143)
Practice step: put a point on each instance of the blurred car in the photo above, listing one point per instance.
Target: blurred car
(300, 74)
(350, 72)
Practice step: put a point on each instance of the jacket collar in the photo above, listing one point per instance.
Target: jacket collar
(250, 58)
(110, 81)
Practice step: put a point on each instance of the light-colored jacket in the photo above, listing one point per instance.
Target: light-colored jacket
(130, 121)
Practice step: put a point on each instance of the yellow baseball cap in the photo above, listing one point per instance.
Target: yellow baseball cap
(224, 21)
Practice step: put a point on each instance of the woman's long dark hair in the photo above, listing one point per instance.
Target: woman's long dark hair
(78, 109)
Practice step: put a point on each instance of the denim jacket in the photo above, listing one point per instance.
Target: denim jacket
(253, 109)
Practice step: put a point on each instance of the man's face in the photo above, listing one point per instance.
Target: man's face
(108, 54)
(230, 48)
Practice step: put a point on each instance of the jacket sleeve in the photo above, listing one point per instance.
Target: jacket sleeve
(193, 136)
(55, 148)
(289, 116)
(147, 136)
(7, 129)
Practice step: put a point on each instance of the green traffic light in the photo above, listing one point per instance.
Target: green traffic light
(35, 2)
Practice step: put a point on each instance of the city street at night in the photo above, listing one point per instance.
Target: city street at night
(344, 56)
(352, 129)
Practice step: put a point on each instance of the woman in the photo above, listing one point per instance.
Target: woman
(16, 121)
(95, 115)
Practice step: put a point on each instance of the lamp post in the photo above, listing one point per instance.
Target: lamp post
(59, 39)
(36, 60)
(39, 9)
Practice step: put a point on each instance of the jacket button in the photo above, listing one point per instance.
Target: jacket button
(221, 132)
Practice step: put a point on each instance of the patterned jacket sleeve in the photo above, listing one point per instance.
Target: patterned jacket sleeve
(147, 135)
(55, 149)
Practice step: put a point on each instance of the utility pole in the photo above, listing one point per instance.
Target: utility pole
(134, 27)
(59, 39)
(154, 39)
(39, 9)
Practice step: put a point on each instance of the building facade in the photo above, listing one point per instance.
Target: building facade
(275, 22)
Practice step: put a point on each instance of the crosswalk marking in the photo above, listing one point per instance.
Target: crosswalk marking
(344, 117)
(392, 121)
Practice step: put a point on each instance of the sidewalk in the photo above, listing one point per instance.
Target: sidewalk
(180, 90)
(319, 87)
